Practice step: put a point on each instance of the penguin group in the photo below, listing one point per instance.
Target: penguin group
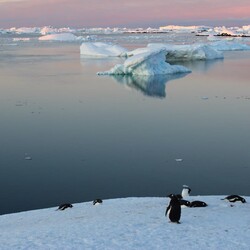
(173, 210)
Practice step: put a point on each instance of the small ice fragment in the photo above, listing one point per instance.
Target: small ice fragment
(28, 158)
(204, 98)
(179, 160)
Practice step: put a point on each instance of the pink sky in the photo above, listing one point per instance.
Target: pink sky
(122, 13)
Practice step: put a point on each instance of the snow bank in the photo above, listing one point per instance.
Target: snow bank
(129, 223)
(148, 63)
(99, 49)
(64, 37)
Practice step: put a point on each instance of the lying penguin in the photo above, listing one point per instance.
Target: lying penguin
(64, 206)
(97, 202)
(234, 198)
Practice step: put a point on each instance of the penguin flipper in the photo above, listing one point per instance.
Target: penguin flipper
(167, 210)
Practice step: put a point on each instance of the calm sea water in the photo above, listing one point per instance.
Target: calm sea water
(68, 135)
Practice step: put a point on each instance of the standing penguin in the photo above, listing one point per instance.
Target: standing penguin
(185, 191)
(173, 210)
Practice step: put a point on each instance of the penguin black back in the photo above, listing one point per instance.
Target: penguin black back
(97, 201)
(185, 203)
(198, 204)
(234, 198)
(173, 210)
(64, 206)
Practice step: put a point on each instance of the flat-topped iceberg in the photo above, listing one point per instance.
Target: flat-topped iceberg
(64, 37)
(99, 49)
(229, 46)
(182, 52)
(147, 63)
(190, 52)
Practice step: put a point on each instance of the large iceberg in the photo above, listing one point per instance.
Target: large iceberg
(99, 49)
(147, 63)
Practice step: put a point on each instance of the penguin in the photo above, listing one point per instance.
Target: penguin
(173, 210)
(185, 191)
(184, 203)
(198, 204)
(97, 201)
(64, 206)
(234, 198)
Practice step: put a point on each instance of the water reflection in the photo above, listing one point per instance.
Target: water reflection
(149, 85)
(200, 65)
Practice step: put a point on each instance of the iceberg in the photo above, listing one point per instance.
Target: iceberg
(147, 63)
(64, 37)
(188, 52)
(181, 52)
(229, 46)
(100, 49)
(183, 29)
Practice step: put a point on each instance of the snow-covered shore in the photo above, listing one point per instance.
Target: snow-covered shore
(129, 223)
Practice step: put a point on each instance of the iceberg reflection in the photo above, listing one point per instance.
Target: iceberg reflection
(149, 85)
(200, 65)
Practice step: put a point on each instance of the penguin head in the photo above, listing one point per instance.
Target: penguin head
(185, 191)
(243, 200)
(173, 197)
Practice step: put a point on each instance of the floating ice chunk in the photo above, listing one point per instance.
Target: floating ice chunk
(148, 63)
(179, 160)
(228, 46)
(188, 52)
(99, 49)
(204, 98)
(28, 158)
(21, 39)
(65, 37)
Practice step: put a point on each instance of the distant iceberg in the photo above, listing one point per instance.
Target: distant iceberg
(99, 49)
(64, 37)
(183, 29)
(147, 63)
(229, 45)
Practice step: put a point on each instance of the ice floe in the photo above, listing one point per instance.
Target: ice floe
(64, 37)
(188, 52)
(228, 45)
(99, 49)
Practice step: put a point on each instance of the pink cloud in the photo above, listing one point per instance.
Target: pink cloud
(85, 13)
